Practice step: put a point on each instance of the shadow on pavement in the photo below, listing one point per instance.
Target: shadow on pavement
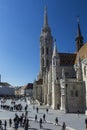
(46, 129)
(33, 129)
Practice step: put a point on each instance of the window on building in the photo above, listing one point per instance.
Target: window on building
(42, 50)
(42, 62)
(47, 51)
(76, 93)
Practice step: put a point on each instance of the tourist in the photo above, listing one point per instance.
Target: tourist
(26, 125)
(10, 122)
(86, 123)
(5, 124)
(44, 119)
(56, 121)
(40, 123)
(63, 126)
(78, 112)
(37, 109)
(1, 128)
(35, 118)
(47, 110)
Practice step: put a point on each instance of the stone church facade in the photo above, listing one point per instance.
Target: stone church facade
(62, 80)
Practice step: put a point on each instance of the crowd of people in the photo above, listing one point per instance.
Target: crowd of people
(23, 119)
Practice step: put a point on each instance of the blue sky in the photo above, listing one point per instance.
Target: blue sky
(20, 27)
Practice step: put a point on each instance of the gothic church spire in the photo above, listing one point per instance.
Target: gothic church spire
(45, 17)
(79, 38)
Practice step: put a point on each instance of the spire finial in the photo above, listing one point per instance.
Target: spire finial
(79, 37)
(45, 16)
(78, 19)
(78, 31)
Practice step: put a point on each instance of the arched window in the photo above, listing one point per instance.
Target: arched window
(42, 62)
(42, 50)
(47, 51)
(76, 93)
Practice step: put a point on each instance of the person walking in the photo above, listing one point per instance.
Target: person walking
(44, 117)
(1, 128)
(47, 110)
(56, 121)
(5, 124)
(37, 109)
(86, 123)
(10, 122)
(63, 126)
(40, 123)
(35, 118)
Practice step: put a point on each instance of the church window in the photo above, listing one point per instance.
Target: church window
(76, 93)
(42, 49)
(42, 62)
(47, 51)
(66, 85)
(57, 78)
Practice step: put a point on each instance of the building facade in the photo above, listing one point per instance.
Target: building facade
(62, 80)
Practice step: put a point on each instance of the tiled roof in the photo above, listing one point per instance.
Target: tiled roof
(67, 58)
(82, 52)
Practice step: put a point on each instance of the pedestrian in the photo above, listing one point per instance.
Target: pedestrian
(86, 123)
(44, 119)
(35, 118)
(5, 124)
(37, 109)
(56, 121)
(10, 122)
(78, 113)
(47, 110)
(63, 126)
(26, 124)
(1, 128)
(40, 123)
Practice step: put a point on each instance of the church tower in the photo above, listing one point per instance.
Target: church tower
(79, 38)
(46, 45)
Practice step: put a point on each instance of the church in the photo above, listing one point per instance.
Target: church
(62, 79)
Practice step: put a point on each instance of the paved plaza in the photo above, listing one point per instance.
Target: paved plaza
(73, 121)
